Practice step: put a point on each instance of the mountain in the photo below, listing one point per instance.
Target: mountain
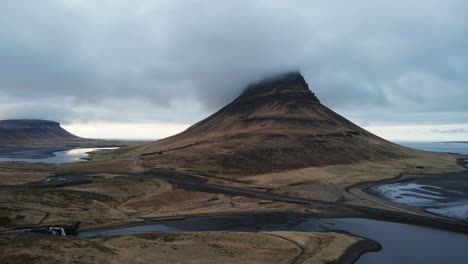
(274, 125)
(32, 131)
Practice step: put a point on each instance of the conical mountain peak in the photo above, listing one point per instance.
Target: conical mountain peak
(276, 124)
(285, 83)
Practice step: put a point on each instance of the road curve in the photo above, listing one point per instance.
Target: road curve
(195, 183)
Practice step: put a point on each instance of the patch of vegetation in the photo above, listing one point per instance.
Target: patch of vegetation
(54, 197)
(104, 249)
(113, 153)
(14, 240)
(367, 171)
(18, 259)
(158, 236)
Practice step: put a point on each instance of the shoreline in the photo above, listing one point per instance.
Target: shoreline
(357, 250)
(365, 213)
(350, 255)
(31, 152)
(430, 220)
(45, 154)
(308, 246)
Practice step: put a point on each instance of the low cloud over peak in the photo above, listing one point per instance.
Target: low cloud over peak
(88, 60)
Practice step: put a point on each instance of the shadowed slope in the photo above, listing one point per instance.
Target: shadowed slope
(32, 131)
(277, 124)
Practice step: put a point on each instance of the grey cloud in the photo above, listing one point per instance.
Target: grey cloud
(39, 110)
(395, 58)
(451, 131)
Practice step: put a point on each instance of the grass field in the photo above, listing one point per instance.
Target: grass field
(198, 247)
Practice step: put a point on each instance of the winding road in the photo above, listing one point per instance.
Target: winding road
(401, 216)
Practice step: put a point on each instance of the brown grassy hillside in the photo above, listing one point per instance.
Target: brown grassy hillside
(274, 125)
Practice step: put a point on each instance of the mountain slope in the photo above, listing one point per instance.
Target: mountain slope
(32, 131)
(277, 124)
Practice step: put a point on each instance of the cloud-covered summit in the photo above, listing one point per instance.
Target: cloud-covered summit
(174, 61)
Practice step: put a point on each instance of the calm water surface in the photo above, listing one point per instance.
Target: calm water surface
(402, 243)
(72, 155)
(461, 148)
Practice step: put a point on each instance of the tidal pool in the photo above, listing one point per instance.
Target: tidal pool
(434, 199)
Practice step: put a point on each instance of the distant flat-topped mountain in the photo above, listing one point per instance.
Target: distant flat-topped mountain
(274, 125)
(36, 132)
(32, 131)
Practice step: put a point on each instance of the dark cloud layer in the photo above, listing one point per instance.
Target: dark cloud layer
(374, 61)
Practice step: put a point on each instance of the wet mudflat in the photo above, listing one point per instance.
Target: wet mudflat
(402, 243)
(445, 195)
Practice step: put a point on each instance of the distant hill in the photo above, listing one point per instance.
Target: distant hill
(274, 125)
(32, 131)
(36, 132)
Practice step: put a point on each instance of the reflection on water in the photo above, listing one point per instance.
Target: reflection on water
(404, 243)
(72, 155)
(401, 243)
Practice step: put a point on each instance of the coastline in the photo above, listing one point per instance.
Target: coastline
(355, 251)
(42, 152)
(419, 215)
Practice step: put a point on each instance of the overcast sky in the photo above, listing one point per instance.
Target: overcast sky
(149, 68)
